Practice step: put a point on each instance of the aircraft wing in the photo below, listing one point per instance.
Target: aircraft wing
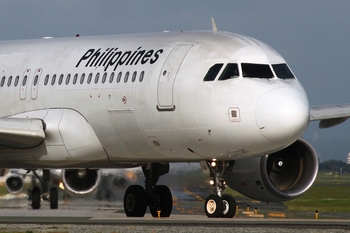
(21, 133)
(330, 116)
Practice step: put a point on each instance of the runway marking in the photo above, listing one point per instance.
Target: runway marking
(199, 198)
(277, 215)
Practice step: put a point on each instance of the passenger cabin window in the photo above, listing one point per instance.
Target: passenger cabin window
(111, 77)
(119, 77)
(60, 80)
(53, 79)
(282, 71)
(104, 77)
(9, 81)
(75, 79)
(134, 76)
(230, 71)
(36, 79)
(250, 70)
(89, 78)
(82, 78)
(16, 81)
(3, 81)
(126, 77)
(67, 79)
(46, 79)
(213, 72)
(24, 82)
(141, 76)
(97, 77)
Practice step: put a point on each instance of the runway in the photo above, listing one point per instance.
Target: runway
(82, 216)
(91, 215)
(110, 217)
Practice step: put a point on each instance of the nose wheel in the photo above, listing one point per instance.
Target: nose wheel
(213, 206)
(229, 205)
(216, 205)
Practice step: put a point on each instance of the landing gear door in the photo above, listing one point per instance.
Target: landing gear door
(167, 77)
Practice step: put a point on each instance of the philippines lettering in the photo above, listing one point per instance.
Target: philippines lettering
(113, 57)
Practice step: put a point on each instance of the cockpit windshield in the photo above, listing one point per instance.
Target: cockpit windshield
(250, 70)
(230, 71)
(282, 71)
(213, 72)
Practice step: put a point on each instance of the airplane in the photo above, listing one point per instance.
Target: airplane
(224, 100)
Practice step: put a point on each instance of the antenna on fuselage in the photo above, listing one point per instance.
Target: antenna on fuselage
(213, 24)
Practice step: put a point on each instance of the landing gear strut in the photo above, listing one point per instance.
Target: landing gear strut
(157, 197)
(216, 205)
(51, 196)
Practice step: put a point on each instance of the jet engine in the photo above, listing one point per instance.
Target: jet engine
(281, 176)
(81, 182)
(14, 184)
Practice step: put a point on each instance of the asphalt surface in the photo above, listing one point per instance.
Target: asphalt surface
(89, 215)
(69, 220)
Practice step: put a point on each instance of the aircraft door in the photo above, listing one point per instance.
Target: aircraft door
(167, 77)
(34, 92)
(23, 84)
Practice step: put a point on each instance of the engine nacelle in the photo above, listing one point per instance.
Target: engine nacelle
(14, 184)
(81, 182)
(281, 176)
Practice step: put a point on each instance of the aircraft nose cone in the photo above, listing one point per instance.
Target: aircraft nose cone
(282, 114)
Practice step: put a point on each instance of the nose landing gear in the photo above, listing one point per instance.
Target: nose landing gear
(216, 205)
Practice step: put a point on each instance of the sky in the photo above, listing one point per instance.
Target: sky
(313, 36)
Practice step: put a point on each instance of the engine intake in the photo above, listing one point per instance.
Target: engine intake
(281, 176)
(14, 184)
(81, 182)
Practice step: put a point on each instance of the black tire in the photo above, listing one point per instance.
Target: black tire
(36, 198)
(53, 198)
(213, 206)
(229, 205)
(163, 201)
(135, 201)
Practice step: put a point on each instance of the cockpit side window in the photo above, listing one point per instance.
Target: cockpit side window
(230, 71)
(250, 70)
(213, 72)
(282, 71)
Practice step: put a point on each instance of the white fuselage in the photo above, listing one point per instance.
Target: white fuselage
(165, 113)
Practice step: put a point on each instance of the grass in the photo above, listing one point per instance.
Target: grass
(329, 193)
(3, 190)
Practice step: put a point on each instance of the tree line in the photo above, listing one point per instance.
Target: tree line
(334, 166)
